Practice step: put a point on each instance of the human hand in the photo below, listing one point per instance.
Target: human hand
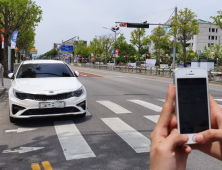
(168, 151)
(211, 140)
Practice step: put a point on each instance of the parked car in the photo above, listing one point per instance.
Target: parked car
(42, 88)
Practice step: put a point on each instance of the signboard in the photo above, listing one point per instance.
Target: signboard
(68, 48)
(150, 62)
(14, 39)
(164, 66)
(113, 51)
(117, 52)
(33, 50)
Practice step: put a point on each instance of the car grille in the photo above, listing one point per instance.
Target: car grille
(50, 111)
(51, 97)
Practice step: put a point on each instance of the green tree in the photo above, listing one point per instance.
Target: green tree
(218, 19)
(184, 26)
(107, 41)
(160, 39)
(139, 39)
(82, 49)
(121, 45)
(13, 15)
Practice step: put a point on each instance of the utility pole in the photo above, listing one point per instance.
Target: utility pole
(175, 41)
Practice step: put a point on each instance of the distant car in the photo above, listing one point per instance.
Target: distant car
(43, 88)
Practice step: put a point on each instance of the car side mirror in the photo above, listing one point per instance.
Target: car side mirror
(11, 75)
(76, 73)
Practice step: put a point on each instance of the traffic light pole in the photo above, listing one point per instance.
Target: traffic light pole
(146, 25)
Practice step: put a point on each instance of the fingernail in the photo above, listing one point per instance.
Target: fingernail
(199, 138)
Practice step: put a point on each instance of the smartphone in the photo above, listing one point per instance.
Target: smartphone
(192, 101)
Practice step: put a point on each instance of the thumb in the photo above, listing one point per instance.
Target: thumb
(175, 139)
(208, 136)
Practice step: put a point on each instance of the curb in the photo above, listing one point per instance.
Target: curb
(2, 92)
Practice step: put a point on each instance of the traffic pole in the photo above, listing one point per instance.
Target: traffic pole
(9, 57)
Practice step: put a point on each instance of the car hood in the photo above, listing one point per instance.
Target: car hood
(46, 85)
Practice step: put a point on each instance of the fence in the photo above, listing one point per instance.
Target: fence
(213, 76)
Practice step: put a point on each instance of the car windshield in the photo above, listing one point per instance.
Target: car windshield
(44, 70)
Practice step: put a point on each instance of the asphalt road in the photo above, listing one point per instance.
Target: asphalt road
(117, 105)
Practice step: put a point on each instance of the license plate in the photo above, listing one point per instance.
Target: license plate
(52, 104)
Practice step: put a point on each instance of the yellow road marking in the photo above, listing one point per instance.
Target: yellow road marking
(46, 165)
(92, 73)
(35, 166)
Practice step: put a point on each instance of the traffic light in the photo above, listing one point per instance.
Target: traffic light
(137, 25)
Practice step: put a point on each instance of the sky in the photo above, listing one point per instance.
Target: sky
(65, 19)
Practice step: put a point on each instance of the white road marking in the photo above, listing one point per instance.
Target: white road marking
(162, 100)
(20, 130)
(147, 105)
(153, 118)
(88, 114)
(73, 144)
(114, 107)
(220, 100)
(23, 149)
(136, 140)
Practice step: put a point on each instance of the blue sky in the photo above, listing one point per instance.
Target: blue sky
(64, 19)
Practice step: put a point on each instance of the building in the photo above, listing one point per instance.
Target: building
(209, 34)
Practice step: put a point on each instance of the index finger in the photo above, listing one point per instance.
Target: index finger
(167, 111)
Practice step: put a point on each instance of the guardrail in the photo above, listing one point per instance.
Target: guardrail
(212, 75)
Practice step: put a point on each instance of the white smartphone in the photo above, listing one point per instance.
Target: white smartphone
(192, 101)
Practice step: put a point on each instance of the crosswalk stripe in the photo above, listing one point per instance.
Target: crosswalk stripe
(147, 105)
(73, 144)
(162, 100)
(46, 165)
(153, 118)
(136, 140)
(35, 166)
(114, 107)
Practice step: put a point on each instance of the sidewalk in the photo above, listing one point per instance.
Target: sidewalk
(7, 84)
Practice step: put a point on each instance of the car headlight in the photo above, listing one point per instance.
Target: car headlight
(77, 93)
(20, 95)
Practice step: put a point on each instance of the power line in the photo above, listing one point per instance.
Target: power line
(159, 16)
(148, 14)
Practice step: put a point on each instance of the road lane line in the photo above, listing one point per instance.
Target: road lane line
(114, 107)
(220, 100)
(73, 144)
(35, 166)
(136, 140)
(153, 118)
(147, 105)
(46, 165)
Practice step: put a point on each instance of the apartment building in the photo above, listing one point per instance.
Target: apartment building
(209, 34)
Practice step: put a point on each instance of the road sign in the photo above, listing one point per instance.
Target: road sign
(68, 48)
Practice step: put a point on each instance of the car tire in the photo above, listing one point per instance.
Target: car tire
(82, 115)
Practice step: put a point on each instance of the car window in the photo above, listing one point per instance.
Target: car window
(44, 70)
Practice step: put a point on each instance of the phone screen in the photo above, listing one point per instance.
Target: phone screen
(193, 105)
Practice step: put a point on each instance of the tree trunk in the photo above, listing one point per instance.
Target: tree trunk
(19, 57)
(184, 52)
(5, 59)
(12, 60)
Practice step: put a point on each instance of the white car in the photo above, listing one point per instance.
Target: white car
(43, 88)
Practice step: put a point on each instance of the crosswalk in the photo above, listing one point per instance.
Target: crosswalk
(75, 146)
